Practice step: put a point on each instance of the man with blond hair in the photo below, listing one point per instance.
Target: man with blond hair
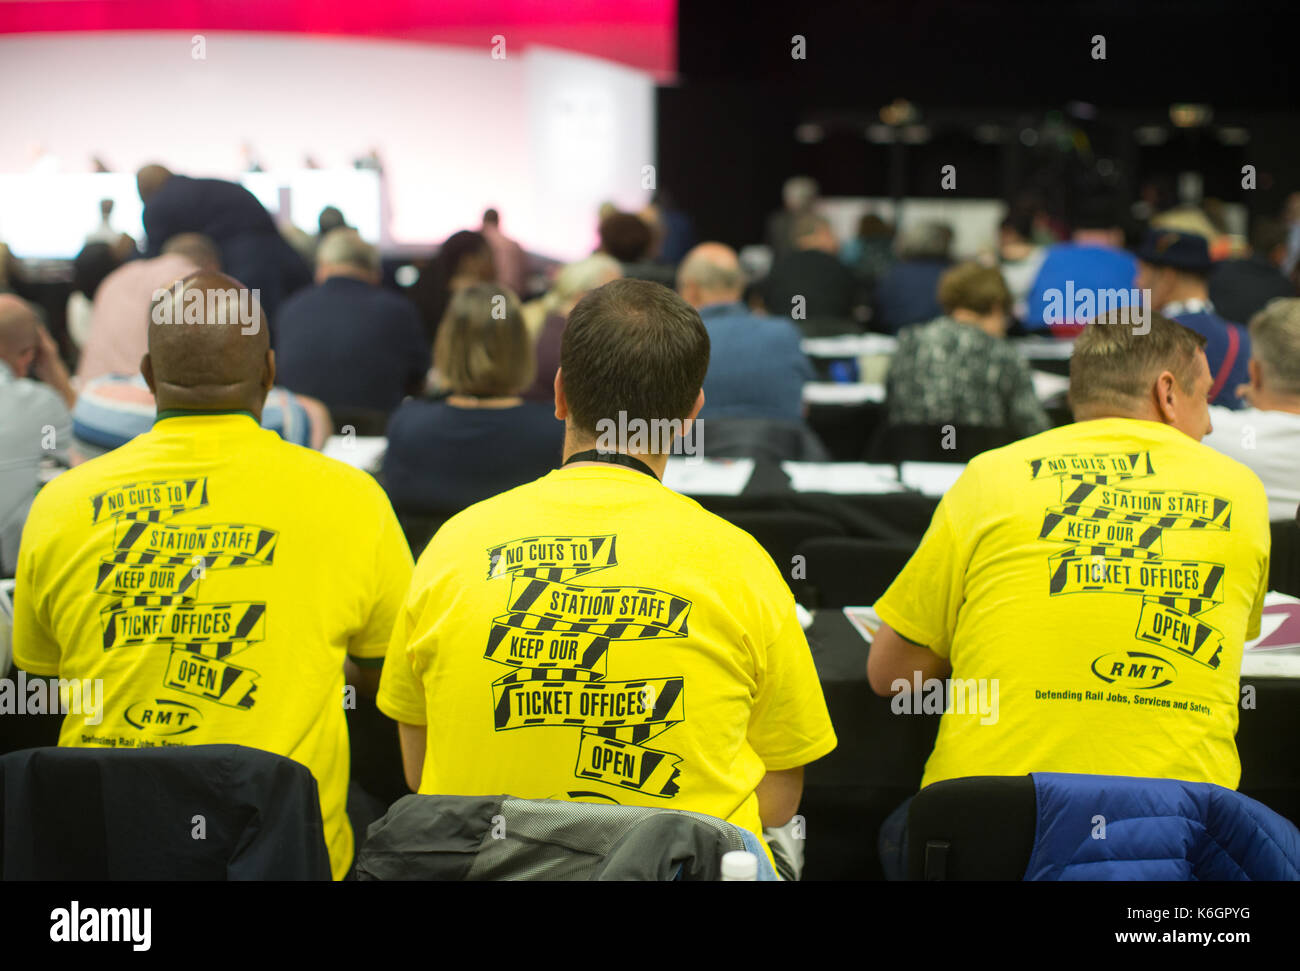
(1069, 574)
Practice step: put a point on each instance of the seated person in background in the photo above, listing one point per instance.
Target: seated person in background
(708, 698)
(34, 420)
(630, 239)
(462, 261)
(482, 438)
(756, 366)
(1241, 288)
(1093, 260)
(810, 282)
(1093, 585)
(870, 253)
(251, 246)
(1019, 258)
(292, 562)
(507, 256)
(1265, 435)
(572, 283)
(115, 408)
(959, 368)
(1174, 267)
(907, 293)
(119, 316)
(90, 268)
(347, 341)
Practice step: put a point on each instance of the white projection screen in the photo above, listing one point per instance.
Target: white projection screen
(543, 135)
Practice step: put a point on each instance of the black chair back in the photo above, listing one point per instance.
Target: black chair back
(977, 828)
(1284, 559)
(781, 532)
(362, 421)
(761, 439)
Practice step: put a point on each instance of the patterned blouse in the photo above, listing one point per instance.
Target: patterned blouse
(945, 371)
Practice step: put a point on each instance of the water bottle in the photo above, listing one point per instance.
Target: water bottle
(739, 865)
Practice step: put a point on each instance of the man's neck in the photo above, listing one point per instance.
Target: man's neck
(574, 445)
(1187, 290)
(1267, 401)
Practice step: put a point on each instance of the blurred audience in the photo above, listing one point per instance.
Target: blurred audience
(507, 255)
(119, 318)
(630, 239)
(481, 438)
(799, 198)
(957, 369)
(809, 282)
(908, 291)
(756, 366)
(1019, 257)
(346, 341)
(1174, 267)
(1265, 435)
(462, 261)
(870, 253)
(572, 283)
(95, 262)
(1241, 287)
(252, 249)
(1093, 260)
(34, 421)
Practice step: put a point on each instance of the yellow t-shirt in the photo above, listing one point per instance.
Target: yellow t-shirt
(213, 576)
(595, 636)
(1092, 587)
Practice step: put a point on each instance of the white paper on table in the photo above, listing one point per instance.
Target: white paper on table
(1048, 385)
(864, 620)
(708, 477)
(1276, 652)
(849, 345)
(838, 393)
(364, 452)
(1043, 348)
(931, 478)
(850, 478)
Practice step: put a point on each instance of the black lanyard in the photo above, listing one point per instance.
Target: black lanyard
(612, 458)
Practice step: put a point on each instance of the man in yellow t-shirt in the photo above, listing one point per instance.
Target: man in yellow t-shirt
(209, 575)
(1089, 589)
(595, 636)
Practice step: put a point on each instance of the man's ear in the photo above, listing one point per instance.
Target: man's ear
(1256, 377)
(699, 403)
(268, 372)
(146, 372)
(1166, 395)
(561, 406)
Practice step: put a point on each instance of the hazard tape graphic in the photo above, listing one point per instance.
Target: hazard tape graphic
(162, 582)
(1099, 468)
(227, 628)
(556, 635)
(149, 501)
(1115, 535)
(218, 546)
(226, 684)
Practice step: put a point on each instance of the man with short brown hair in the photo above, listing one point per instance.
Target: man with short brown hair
(1088, 586)
(577, 637)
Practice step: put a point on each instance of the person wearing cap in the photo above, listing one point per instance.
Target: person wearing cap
(1174, 269)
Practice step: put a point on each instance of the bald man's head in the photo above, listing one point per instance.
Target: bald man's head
(710, 274)
(208, 346)
(149, 180)
(18, 333)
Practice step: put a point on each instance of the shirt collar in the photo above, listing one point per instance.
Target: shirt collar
(1180, 307)
(7, 374)
(722, 309)
(202, 413)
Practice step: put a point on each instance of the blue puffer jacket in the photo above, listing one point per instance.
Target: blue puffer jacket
(1156, 829)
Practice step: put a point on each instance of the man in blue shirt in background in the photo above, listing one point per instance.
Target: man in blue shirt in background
(756, 366)
(1175, 267)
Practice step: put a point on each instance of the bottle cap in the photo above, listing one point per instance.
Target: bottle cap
(739, 865)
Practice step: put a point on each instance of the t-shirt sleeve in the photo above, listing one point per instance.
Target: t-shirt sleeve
(401, 695)
(922, 602)
(34, 646)
(392, 579)
(789, 725)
